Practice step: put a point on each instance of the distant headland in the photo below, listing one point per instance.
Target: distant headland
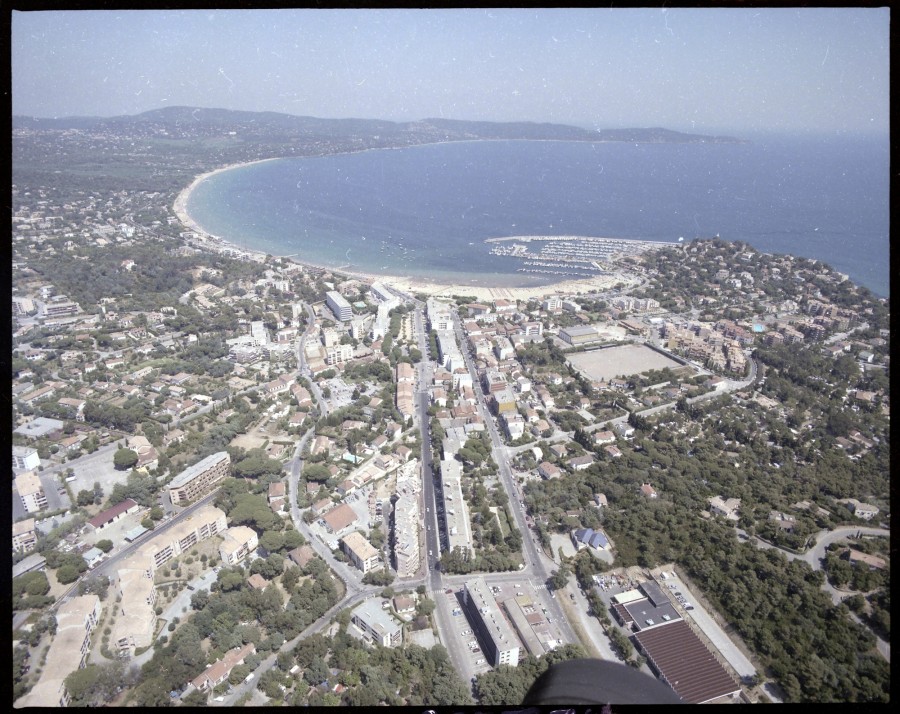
(195, 122)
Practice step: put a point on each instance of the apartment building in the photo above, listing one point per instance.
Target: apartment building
(499, 643)
(204, 523)
(134, 577)
(25, 458)
(238, 542)
(24, 537)
(376, 624)
(338, 305)
(361, 552)
(68, 651)
(136, 621)
(337, 354)
(30, 490)
(406, 535)
(197, 480)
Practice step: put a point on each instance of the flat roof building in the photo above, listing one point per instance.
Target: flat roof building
(68, 651)
(197, 480)
(202, 524)
(25, 458)
(40, 426)
(579, 335)
(30, 490)
(456, 511)
(338, 305)
(136, 619)
(377, 624)
(526, 633)
(361, 552)
(406, 535)
(237, 543)
(24, 537)
(499, 643)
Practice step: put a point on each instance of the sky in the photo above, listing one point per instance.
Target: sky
(816, 70)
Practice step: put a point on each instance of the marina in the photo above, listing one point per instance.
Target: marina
(581, 256)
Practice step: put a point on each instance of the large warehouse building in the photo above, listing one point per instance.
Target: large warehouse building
(673, 650)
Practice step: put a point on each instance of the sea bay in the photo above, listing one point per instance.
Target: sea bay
(425, 211)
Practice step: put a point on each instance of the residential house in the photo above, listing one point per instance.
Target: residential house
(547, 471)
(218, 672)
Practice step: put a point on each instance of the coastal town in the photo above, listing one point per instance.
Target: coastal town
(241, 479)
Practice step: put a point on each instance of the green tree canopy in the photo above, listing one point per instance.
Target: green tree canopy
(124, 459)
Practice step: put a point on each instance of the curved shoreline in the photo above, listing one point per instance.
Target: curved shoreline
(409, 284)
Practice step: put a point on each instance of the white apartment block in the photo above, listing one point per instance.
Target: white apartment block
(136, 621)
(31, 491)
(238, 542)
(377, 624)
(361, 552)
(197, 480)
(338, 354)
(338, 305)
(68, 651)
(25, 458)
(456, 511)
(202, 524)
(24, 537)
(495, 633)
(381, 292)
(406, 535)
(439, 315)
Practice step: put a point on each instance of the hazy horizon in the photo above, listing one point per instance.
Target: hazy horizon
(699, 70)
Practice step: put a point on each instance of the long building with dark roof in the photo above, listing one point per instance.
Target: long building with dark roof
(681, 660)
(672, 648)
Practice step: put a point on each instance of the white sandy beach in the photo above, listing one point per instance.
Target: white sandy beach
(407, 284)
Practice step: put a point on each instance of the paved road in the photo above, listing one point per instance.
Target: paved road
(107, 567)
(536, 563)
(815, 557)
(590, 625)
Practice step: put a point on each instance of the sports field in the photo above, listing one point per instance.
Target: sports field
(622, 361)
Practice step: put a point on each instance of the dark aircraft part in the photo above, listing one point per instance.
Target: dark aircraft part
(594, 681)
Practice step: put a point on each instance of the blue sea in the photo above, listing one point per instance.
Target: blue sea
(425, 211)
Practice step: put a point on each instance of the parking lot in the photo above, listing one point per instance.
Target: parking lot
(341, 392)
(612, 584)
(462, 629)
(89, 469)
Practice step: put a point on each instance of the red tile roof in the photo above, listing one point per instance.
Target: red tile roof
(104, 517)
